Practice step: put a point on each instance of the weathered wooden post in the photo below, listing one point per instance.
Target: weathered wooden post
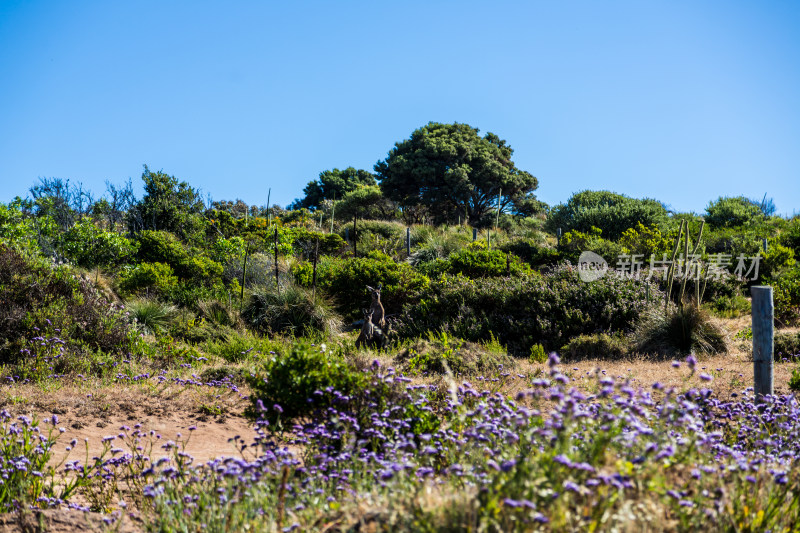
(763, 315)
(558, 236)
(314, 278)
(765, 245)
(408, 242)
(474, 234)
(276, 257)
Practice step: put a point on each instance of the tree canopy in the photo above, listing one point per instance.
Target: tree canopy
(333, 184)
(168, 205)
(453, 172)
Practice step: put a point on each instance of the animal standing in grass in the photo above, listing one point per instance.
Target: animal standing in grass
(371, 336)
(378, 314)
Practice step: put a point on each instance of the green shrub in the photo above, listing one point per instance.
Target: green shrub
(536, 255)
(775, 260)
(164, 247)
(786, 297)
(39, 300)
(597, 345)
(730, 306)
(290, 310)
(646, 241)
(573, 243)
(89, 246)
(299, 381)
(433, 245)
(794, 381)
(346, 280)
(790, 236)
(786, 345)
(730, 212)
(538, 354)
(610, 212)
(149, 279)
(475, 261)
(547, 309)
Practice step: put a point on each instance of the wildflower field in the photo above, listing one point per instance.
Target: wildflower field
(168, 366)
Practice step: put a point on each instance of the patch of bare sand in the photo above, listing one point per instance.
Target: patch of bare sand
(91, 416)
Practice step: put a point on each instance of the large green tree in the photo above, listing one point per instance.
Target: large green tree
(453, 172)
(333, 184)
(168, 205)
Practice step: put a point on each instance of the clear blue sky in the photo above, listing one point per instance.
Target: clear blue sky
(682, 101)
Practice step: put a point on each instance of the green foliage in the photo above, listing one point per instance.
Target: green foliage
(610, 212)
(430, 245)
(531, 252)
(573, 243)
(786, 297)
(538, 354)
(453, 172)
(365, 202)
(290, 310)
(776, 259)
(786, 345)
(89, 246)
(794, 381)
(476, 261)
(299, 381)
(346, 280)
(526, 310)
(729, 306)
(150, 315)
(596, 345)
(15, 228)
(164, 247)
(168, 205)
(156, 279)
(333, 184)
(729, 212)
(39, 300)
(790, 236)
(645, 241)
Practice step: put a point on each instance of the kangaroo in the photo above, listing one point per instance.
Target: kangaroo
(378, 314)
(371, 336)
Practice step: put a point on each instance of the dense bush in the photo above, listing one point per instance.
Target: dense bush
(163, 247)
(573, 243)
(524, 311)
(786, 296)
(299, 381)
(476, 261)
(612, 213)
(345, 279)
(531, 252)
(728, 212)
(149, 279)
(787, 345)
(89, 246)
(790, 236)
(39, 300)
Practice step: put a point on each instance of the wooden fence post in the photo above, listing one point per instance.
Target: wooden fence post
(408, 242)
(474, 234)
(763, 315)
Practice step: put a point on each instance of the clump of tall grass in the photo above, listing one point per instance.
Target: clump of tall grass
(688, 328)
(290, 310)
(150, 315)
